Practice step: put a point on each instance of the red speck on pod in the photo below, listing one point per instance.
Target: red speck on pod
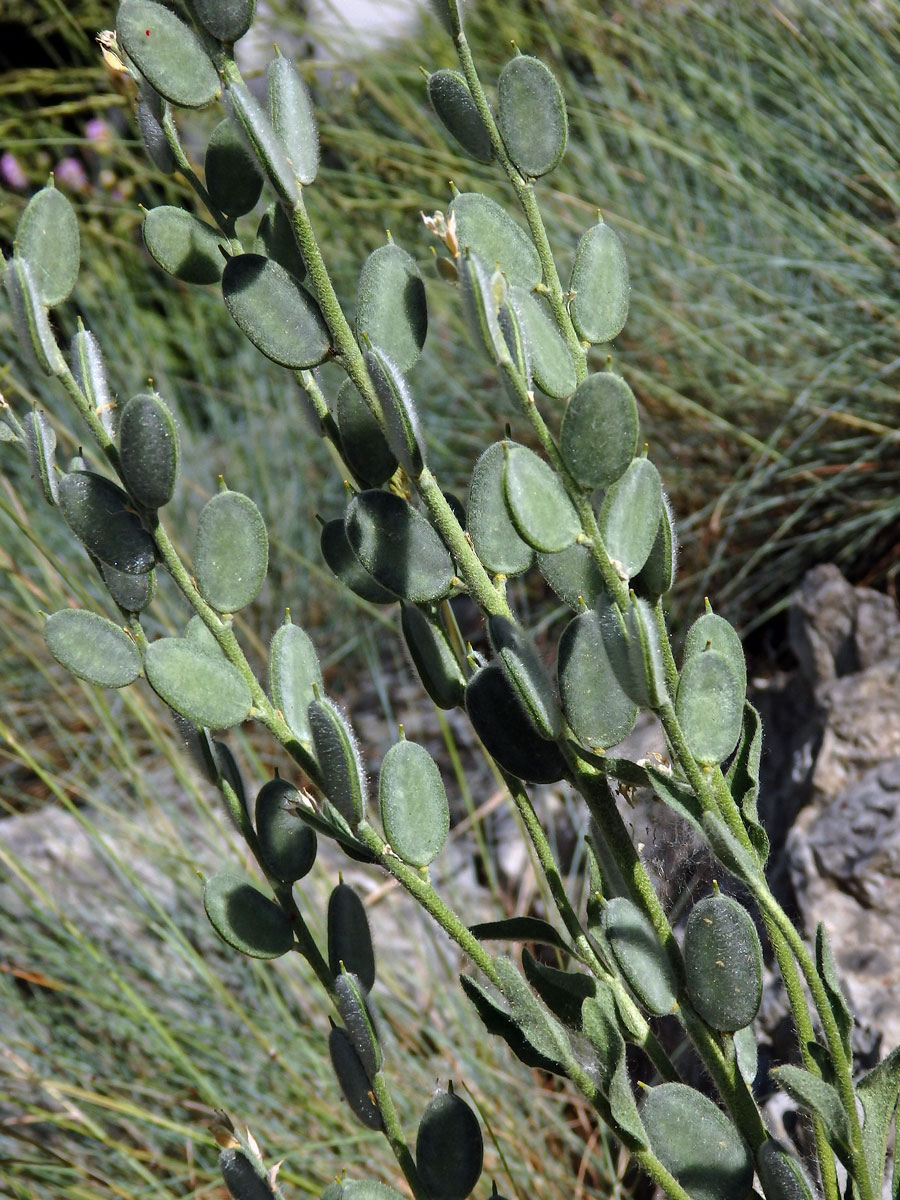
(147, 32)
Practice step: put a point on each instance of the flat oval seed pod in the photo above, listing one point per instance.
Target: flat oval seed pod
(167, 52)
(397, 546)
(349, 937)
(723, 963)
(349, 570)
(645, 679)
(452, 102)
(696, 1141)
(92, 648)
(207, 690)
(149, 114)
(132, 593)
(241, 1177)
(245, 918)
(148, 450)
(433, 657)
(712, 632)
(231, 551)
(507, 732)
(32, 325)
(657, 574)
(288, 845)
(483, 296)
(599, 434)
(491, 233)
(367, 1189)
(414, 808)
(599, 306)
(226, 20)
(449, 1148)
(294, 675)
(363, 444)
(200, 635)
(275, 239)
(490, 526)
(40, 442)
(278, 316)
(90, 374)
(532, 115)
(391, 310)
(528, 675)
(99, 514)
(267, 144)
(184, 245)
(592, 658)
(548, 354)
(231, 170)
(358, 1022)
(353, 1081)
(542, 513)
(574, 576)
(709, 706)
(640, 956)
(630, 514)
(343, 774)
(402, 429)
(291, 110)
(781, 1176)
(47, 239)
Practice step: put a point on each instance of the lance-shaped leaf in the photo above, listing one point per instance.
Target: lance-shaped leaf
(205, 688)
(358, 1021)
(132, 593)
(278, 316)
(353, 1080)
(528, 675)
(245, 918)
(183, 245)
(710, 706)
(590, 665)
(490, 233)
(90, 374)
(532, 115)
(226, 20)
(343, 775)
(40, 442)
(267, 144)
(391, 311)
(275, 239)
(630, 514)
(640, 955)
(540, 1029)
(231, 169)
(563, 992)
(600, 1022)
(729, 851)
(878, 1091)
(402, 429)
(452, 102)
(148, 450)
(600, 285)
(288, 845)
(508, 733)
(339, 556)
(490, 526)
(92, 648)
(47, 239)
(294, 675)
(30, 319)
(828, 974)
(723, 963)
(542, 513)
(293, 118)
(349, 937)
(599, 434)
(657, 575)
(415, 812)
(499, 1023)
(398, 547)
(167, 52)
(99, 514)
(231, 551)
(820, 1099)
(433, 656)
(780, 1174)
(519, 929)
(743, 779)
(574, 575)
(449, 1148)
(549, 357)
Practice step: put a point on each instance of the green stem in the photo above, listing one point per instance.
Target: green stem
(225, 223)
(394, 1134)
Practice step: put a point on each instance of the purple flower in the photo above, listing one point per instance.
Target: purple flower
(70, 172)
(11, 173)
(98, 132)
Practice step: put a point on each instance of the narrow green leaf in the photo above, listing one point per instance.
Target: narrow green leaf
(538, 1027)
(519, 929)
(828, 974)
(563, 992)
(743, 779)
(499, 1023)
(819, 1098)
(878, 1091)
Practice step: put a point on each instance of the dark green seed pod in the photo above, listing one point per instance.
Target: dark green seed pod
(226, 20)
(149, 114)
(398, 547)
(230, 780)
(490, 232)
(391, 310)
(278, 316)
(241, 1177)
(148, 450)
(32, 325)
(452, 102)
(723, 963)
(231, 551)
(267, 144)
(712, 632)
(532, 115)
(599, 434)
(245, 918)
(353, 1081)
(232, 173)
(528, 675)
(92, 648)
(358, 1022)
(645, 679)
(517, 344)
(483, 294)
(490, 526)
(402, 429)
(657, 574)
(640, 956)
(780, 1174)
(99, 514)
(710, 706)
(184, 245)
(339, 556)
(132, 593)
(293, 119)
(207, 690)
(574, 576)
(167, 52)
(591, 662)
(363, 444)
(695, 1140)
(449, 1148)
(40, 442)
(343, 775)
(630, 515)
(600, 285)
(349, 937)
(288, 845)
(549, 357)
(507, 731)
(542, 513)
(275, 239)
(47, 239)
(433, 657)
(415, 813)
(294, 676)
(90, 375)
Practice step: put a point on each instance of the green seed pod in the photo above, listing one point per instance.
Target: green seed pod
(723, 963)
(490, 526)
(391, 310)
(640, 956)
(230, 780)
(227, 20)
(591, 662)
(532, 115)
(452, 102)
(645, 678)
(490, 233)
(232, 172)
(349, 938)
(398, 547)
(695, 1140)
(149, 112)
(780, 1174)
(167, 52)
(207, 690)
(353, 1082)
(548, 354)
(712, 632)
(600, 285)
(507, 731)
(294, 676)
(334, 1191)
(349, 570)
(599, 434)
(198, 633)
(367, 1189)
(47, 239)
(574, 576)
(278, 316)
(267, 144)
(528, 675)
(358, 1022)
(483, 294)
(275, 239)
(542, 513)
(40, 442)
(516, 343)
(343, 774)
(363, 444)
(30, 318)
(630, 514)
(100, 515)
(657, 574)
(184, 245)
(291, 112)
(148, 450)
(415, 813)
(231, 551)
(288, 845)
(710, 706)
(92, 648)
(245, 918)
(90, 375)
(449, 1148)
(746, 1052)
(433, 657)
(402, 429)
(132, 593)
(241, 1177)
